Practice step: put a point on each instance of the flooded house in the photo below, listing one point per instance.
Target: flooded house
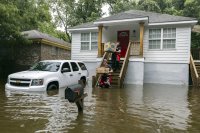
(41, 47)
(155, 47)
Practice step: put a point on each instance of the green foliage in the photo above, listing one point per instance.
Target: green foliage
(21, 15)
(117, 6)
(195, 40)
(149, 5)
(192, 9)
(86, 11)
(69, 13)
(9, 25)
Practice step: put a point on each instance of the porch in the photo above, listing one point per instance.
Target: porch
(130, 36)
(135, 35)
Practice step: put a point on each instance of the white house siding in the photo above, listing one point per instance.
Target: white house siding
(77, 53)
(160, 66)
(166, 73)
(168, 66)
(180, 55)
(135, 71)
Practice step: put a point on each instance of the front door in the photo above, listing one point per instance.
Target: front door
(123, 39)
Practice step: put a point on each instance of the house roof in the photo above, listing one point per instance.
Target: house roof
(153, 17)
(34, 34)
(138, 14)
(85, 25)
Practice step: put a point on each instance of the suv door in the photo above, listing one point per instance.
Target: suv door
(76, 72)
(84, 71)
(66, 76)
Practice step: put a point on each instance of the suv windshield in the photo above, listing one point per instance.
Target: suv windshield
(46, 66)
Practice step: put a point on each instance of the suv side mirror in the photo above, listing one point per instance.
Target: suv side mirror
(65, 70)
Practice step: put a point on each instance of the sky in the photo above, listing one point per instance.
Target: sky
(105, 10)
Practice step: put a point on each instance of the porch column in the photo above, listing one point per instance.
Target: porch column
(141, 37)
(100, 41)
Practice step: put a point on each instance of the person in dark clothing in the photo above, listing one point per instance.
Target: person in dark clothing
(113, 59)
(116, 58)
(118, 55)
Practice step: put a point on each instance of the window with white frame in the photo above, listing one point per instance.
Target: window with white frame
(89, 41)
(94, 38)
(154, 38)
(85, 41)
(169, 38)
(164, 38)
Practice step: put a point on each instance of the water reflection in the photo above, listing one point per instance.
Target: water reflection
(149, 108)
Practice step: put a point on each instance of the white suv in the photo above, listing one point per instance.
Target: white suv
(48, 75)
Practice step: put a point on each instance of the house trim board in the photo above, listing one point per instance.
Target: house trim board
(122, 20)
(44, 41)
(128, 20)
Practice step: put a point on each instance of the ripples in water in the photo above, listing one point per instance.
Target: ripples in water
(149, 108)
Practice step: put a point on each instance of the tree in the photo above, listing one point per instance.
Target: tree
(149, 5)
(69, 13)
(87, 11)
(63, 11)
(9, 26)
(192, 9)
(18, 15)
(116, 6)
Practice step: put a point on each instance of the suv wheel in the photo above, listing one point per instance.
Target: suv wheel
(83, 81)
(52, 87)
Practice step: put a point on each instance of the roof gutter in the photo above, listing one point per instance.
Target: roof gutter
(122, 20)
(172, 23)
(79, 29)
(47, 42)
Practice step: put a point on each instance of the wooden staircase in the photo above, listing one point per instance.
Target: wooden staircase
(116, 74)
(195, 71)
(119, 75)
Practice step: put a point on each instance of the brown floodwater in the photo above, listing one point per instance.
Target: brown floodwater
(133, 109)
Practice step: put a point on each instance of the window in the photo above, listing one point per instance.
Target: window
(89, 41)
(85, 41)
(94, 38)
(46, 66)
(164, 38)
(169, 38)
(66, 66)
(74, 66)
(154, 38)
(82, 66)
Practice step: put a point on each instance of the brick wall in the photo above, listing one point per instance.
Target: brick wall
(52, 53)
(27, 55)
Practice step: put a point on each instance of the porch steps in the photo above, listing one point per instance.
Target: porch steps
(197, 65)
(117, 76)
(195, 71)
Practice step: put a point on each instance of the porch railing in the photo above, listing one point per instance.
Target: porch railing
(195, 53)
(194, 73)
(124, 66)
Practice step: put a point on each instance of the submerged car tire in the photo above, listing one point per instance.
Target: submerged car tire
(83, 81)
(52, 87)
